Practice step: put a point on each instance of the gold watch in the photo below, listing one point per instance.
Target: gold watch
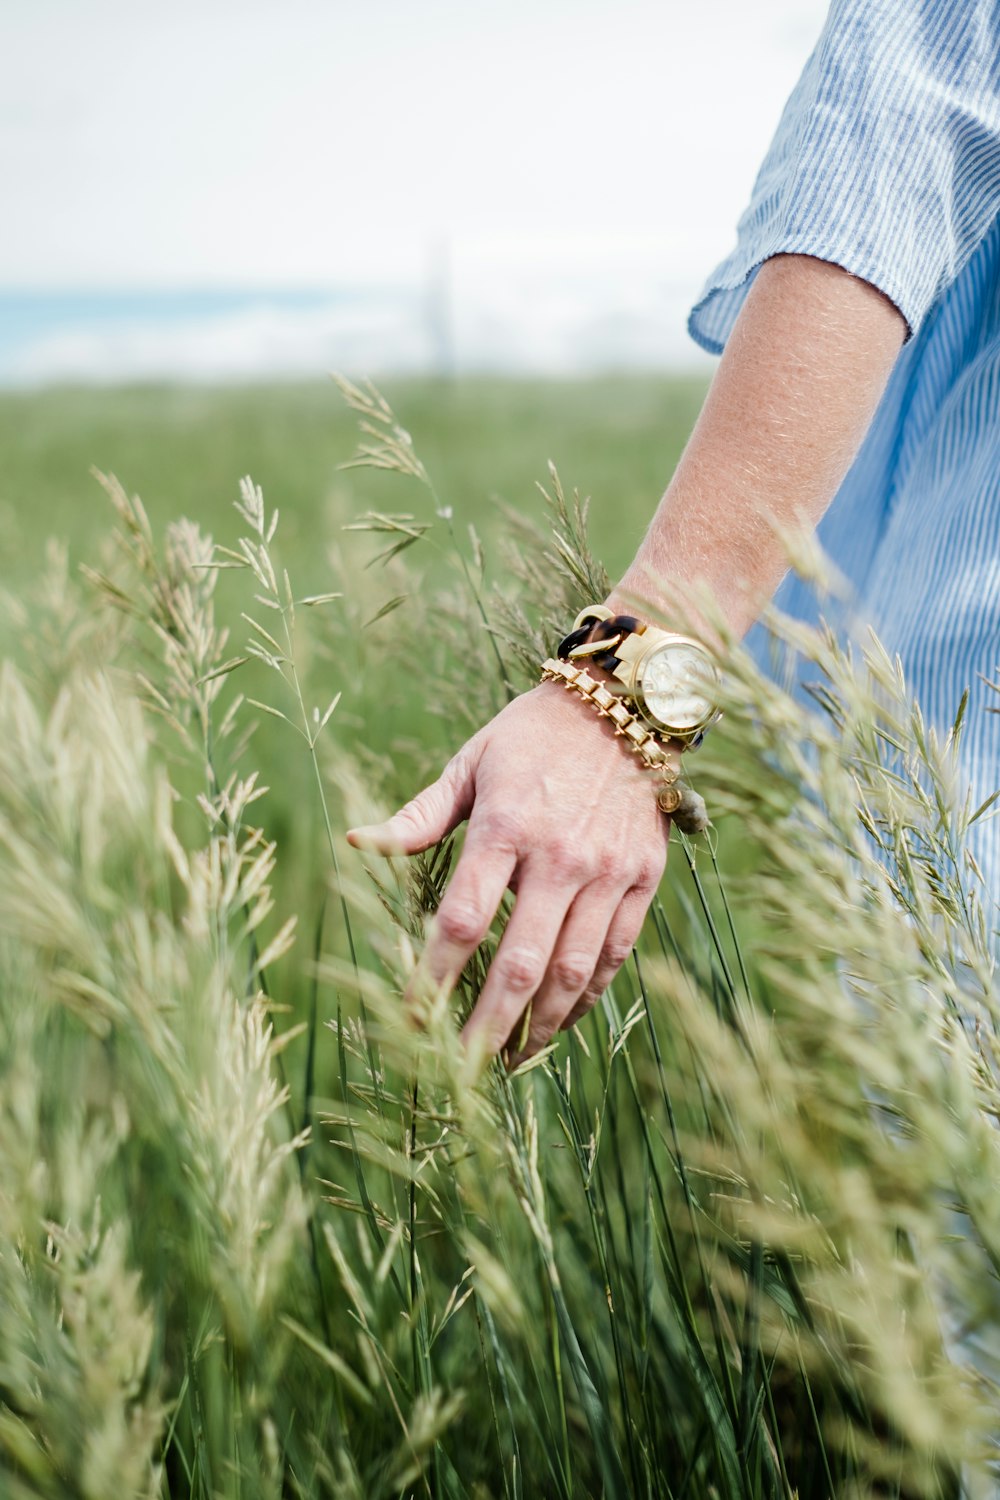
(671, 680)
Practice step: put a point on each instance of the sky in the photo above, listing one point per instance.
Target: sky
(535, 162)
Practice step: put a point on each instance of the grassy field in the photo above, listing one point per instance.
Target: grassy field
(258, 1239)
(184, 449)
(485, 444)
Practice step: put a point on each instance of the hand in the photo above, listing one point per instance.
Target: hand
(564, 816)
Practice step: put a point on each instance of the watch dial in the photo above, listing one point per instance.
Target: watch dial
(677, 684)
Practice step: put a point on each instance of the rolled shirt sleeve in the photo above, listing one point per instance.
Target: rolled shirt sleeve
(886, 160)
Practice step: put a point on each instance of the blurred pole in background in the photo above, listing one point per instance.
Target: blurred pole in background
(440, 308)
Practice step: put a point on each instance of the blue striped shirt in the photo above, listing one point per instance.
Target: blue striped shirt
(887, 162)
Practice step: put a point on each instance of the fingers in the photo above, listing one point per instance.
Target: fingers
(430, 815)
(579, 949)
(467, 907)
(521, 960)
(619, 941)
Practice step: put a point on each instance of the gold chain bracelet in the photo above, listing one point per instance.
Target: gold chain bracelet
(650, 750)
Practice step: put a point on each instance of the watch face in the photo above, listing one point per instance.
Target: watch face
(678, 683)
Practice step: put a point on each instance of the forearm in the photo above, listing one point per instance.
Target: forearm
(792, 399)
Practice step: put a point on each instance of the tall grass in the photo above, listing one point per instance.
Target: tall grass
(736, 1236)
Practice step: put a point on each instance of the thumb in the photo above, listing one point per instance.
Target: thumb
(430, 815)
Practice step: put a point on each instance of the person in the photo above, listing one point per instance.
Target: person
(858, 322)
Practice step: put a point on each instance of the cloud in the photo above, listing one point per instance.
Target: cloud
(554, 306)
(263, 340)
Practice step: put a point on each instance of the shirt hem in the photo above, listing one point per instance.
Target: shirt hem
(731, 288)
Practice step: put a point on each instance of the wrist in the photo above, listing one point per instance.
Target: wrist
(669, 600)
(661, 613)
